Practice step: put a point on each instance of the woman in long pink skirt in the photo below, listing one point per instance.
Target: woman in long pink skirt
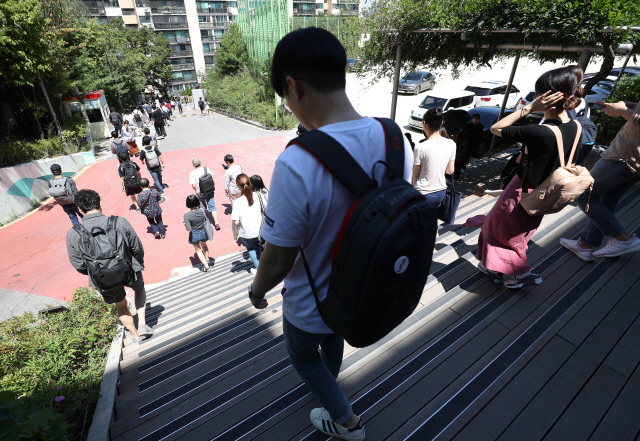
(502, 245)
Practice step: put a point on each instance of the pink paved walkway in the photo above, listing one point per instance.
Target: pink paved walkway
(34, 255)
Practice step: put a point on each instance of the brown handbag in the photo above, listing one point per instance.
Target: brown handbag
(563, 185)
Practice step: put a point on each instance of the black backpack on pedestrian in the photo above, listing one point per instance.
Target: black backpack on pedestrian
(131, 178)
(106, 255)
(115, 119)
(206, 184)
(382, 256)
(137, 117)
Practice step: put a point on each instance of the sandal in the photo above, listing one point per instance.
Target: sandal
(157, 235)
(205, 269)
(217, 227)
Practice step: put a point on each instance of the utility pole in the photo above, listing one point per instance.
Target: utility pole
(111, 72)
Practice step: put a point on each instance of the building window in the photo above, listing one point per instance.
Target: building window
(202, 18)
(111, 3)
(218, 33)
(206, 48)
(232, 4)
(128, 12)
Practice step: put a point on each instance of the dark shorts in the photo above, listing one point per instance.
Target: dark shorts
(118, 295)
(131, 191)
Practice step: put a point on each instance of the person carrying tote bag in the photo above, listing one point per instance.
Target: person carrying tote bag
(449, 205)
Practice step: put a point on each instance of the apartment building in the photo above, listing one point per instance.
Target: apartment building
(194, 28)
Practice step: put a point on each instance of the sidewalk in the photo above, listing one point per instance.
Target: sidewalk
(34, 255)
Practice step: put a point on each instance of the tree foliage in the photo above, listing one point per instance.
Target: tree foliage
(232, 55)
(574, 22)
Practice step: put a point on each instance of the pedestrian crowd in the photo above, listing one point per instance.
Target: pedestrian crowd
(301, 231)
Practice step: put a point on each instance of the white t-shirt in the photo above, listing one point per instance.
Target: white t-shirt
(249, 216)
(194, 176)
(307, 206)
(230, 176)
(433, 156)
(128, 135)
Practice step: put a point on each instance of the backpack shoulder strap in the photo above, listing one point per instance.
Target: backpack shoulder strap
(558, 134)
(395, 147)
(205, 171)
(336, 160)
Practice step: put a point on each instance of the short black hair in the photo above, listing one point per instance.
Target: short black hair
(193, 201)
(312, 55)
(114, 134)
(124, 156)
(146, 131)
(153, 106)
(144, 182)
(477, 115)
(257, 183)
(229, 159)
(87, 200)
(146, 140)
(433, 118)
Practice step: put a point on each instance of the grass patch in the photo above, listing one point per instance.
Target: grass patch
(51, 368)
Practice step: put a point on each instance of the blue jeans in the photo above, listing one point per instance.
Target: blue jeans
(157, 178)
(435, 199)
(208, 199)
(73, 213)
(253, 246)
(118, 128)
(319, 370)
(612, 180)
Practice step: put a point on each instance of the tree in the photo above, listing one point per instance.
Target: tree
(572, 22)
(156, 50)
(232, 55)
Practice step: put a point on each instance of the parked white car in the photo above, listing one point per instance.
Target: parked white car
(526, 100)
(491, 94)
(447, 100)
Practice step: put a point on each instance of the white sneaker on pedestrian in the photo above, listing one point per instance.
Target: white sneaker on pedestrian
(496, 276)
(253, 271)
(523, 281)
(325, 424)
(615, 247)
(575, 248)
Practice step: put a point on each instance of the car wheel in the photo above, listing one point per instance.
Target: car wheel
(416, 90)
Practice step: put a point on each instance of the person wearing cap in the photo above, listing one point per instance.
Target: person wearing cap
(194, 180)
(70, 192)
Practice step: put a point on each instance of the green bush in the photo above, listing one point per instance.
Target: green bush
(51, 368)
(241, 95)
(628, 90)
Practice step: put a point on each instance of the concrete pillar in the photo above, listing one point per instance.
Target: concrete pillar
(194, 34)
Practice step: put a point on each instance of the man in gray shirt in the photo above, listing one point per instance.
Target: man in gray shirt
(89, 203)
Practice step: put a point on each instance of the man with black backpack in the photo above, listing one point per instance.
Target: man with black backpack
(158, 121)
(63, 190)
(129, 173)
(151, 156)
(201, 180)
(201, 105)
(322, 180)
(116, 120)
(109, 251)
(119, 145)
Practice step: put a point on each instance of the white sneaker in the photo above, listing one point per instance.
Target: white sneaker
(496, 276)
(523, 281)
(615, 247)
(575, 248)
(325, 424)
(493, 192)
(253, 271)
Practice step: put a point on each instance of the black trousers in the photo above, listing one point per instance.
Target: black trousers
(160, 129)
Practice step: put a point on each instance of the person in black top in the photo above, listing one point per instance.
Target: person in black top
(129, 190)
(473, 130)
(502, 244)
(151, 156)
(158, 121)
(201, 105)
(116, 120)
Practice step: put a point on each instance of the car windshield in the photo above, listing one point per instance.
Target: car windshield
(479, 91)
(531, 96)
(431, 102)
(605, 85)
(413, 76)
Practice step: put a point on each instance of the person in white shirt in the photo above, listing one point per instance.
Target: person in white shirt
(129, 132)
(232, 170)
(194, 180)
(433, 158)
(307, 207)
(261, 193)
(247, 217)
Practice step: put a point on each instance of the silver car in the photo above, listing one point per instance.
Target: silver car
(416, 82)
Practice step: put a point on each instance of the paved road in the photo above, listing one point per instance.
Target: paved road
(191, 130)
(34, 257)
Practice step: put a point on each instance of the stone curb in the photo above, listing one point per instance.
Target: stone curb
(103, 416)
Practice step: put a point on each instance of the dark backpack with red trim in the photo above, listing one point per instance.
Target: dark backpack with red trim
(382, 257)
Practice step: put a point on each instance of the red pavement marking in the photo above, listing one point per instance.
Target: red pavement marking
(34, 254)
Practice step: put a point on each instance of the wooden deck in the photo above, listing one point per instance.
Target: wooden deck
(474, 362)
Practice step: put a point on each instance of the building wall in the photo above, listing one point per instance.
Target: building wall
(194, 32)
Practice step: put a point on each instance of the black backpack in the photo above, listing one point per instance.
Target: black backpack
(382, 256)
(131, 178)
(206, 184)
(137, 117)
(106, 255)
(115, 119)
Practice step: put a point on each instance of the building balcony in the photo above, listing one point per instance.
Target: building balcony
(214, 25)
(182, 66)
(168, 10)
(97, 11)
(210, 52)
(178, 40)
(181, 25)
(304, 12)
(210, 39)
(175, 54)
(213, 10)
(209, 65)
(177, 81)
